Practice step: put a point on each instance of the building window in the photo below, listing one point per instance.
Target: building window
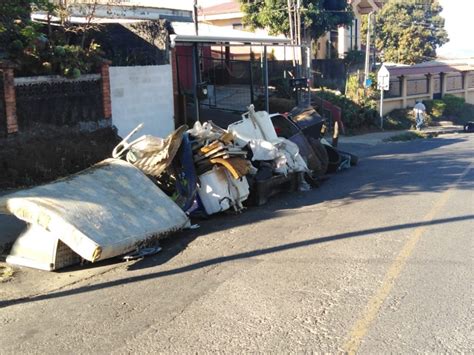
(237, 26)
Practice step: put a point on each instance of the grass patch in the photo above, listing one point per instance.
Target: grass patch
(399, 119)
(408, 136)
(404, 119)
(6, 273)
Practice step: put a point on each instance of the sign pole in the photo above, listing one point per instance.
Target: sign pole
(383, 83)
(381, 108)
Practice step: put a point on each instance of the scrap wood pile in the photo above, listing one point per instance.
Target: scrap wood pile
(207, 169)
(214, 146)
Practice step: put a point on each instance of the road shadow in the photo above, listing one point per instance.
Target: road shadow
(230, 258)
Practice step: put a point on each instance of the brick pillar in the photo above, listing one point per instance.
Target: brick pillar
(10, 100)
(106, 100)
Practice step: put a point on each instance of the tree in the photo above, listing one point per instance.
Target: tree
(409, 31)
(317, 16)
(36, 51)
(19, 36)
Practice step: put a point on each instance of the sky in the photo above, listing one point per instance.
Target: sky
(459, 24)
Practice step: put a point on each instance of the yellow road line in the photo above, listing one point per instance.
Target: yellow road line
(375, 303)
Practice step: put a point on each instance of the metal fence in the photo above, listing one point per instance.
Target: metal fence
(58, 101)
(470, 81)
(233, 84)
(3, 116)
(454, 82)
(395, 89)
(417, 86)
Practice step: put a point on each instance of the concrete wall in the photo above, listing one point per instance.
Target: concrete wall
(390, 104)
(142, 94)
(415, 88)
(470, 97)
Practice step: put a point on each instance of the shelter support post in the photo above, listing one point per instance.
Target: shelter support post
(265, 76)
(196, 80)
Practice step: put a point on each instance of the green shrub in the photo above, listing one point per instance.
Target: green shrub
(399, 119)
(466, 115)
(352, 86)
(454, 105)
(404, 119)
(354, 115)
(435, 108)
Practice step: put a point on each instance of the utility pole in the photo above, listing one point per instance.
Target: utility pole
(292, 36)
(296, 4)
(196, 26)
(298, 22)
(367, 50)
(196, 66)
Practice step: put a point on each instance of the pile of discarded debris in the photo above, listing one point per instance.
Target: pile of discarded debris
(153, 186)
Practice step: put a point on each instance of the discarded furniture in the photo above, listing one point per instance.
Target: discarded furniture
(104, 211)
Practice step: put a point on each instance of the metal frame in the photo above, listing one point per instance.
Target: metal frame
(196, 40)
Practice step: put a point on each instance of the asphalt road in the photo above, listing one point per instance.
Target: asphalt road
(379, 259)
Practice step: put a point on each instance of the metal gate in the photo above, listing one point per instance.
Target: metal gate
(232, 84)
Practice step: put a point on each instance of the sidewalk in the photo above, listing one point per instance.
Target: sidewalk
(380, 137)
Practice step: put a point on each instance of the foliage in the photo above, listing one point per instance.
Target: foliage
(404, 119)
(353, 57)
(318, 16)
(435, 108)
(399, 119)
(36, 51)
(357, 93)
(409, 31)
(352, 86)
(354, 115)
(466, 115)
(450, 107)
(454, 105)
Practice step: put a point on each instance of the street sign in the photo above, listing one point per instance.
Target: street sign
(368, 83)
(383, 78)
(383, 84)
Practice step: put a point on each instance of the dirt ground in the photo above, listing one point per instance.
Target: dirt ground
(46, 153)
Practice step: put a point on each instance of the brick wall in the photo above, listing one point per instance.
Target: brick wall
(8, 101)
(106, 100)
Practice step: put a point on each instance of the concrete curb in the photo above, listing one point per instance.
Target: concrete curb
(382, 137)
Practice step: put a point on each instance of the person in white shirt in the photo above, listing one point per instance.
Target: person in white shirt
(419, 111)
